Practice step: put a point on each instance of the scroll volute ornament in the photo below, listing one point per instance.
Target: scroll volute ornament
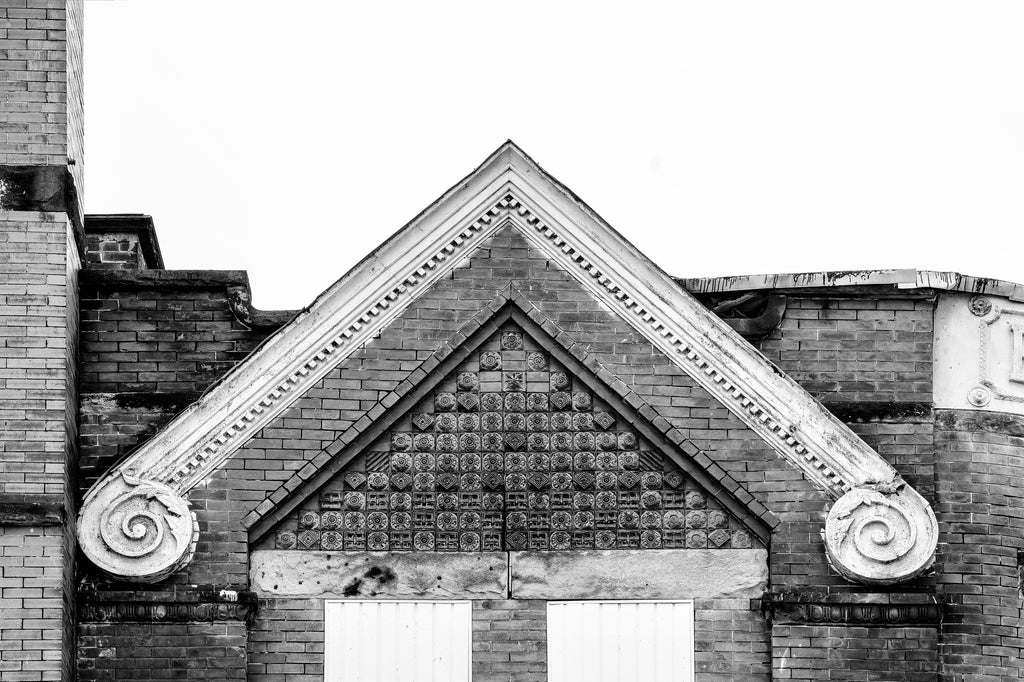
(135, 529)
(881, 534)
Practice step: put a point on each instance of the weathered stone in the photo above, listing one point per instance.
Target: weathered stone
(359, 575)
(881, 535)
(644, 574)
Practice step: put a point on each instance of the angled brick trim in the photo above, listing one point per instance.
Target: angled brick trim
(511, 303)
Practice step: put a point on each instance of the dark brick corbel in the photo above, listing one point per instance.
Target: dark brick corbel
(20, 509)
(44, 189)
(861, 610)
(161, 607)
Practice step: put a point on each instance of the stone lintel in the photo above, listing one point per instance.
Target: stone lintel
(640, 574)
(380, 575)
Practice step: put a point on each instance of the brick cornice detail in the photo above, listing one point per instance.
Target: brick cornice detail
(869, 610)
(881, 531)
(166, 608)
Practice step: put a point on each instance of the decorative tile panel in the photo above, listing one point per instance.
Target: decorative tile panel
(511, 452)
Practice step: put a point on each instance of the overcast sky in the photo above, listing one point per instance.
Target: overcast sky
(291, 138)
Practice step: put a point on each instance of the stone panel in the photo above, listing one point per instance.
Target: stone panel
(665, 574)
(362, 575)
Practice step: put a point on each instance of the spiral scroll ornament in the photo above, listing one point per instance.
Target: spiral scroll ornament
(138, 530)
(881, 535)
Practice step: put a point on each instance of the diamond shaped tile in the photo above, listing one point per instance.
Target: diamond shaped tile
(469, 402)
(583, 479)
(560, 400)
(354, 479)
(629, 479)
(401, 481)
(719, 537)
(493, 481)
(515, 441)
(538, 481)
(604, 420)
(423, 420)
(309, 539)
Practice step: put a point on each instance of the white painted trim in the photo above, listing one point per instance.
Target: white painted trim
(908, 278)
(508, 189)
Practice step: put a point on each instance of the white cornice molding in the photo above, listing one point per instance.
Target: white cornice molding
(509, 189)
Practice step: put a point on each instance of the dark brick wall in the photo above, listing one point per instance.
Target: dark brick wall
(981, 532)
(731, 641)
(854, 654)
(856, 349)
(114, 251)
(287, 641)
(147, 352)
(162, 651)
(160, 339)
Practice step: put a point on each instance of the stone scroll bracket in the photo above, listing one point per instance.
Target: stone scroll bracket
(137, 529)
(881, 535)
(135, 523)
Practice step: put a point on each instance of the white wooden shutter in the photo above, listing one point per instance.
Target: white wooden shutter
(620, 641)
(397, 641)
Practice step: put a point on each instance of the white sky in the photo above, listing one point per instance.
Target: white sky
(291, 138)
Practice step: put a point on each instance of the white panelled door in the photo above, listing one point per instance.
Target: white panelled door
(397, 641)
(620, 641)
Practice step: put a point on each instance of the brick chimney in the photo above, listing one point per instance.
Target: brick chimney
(41, 243)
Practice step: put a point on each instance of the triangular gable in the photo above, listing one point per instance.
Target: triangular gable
(576, 426)
(508, 191)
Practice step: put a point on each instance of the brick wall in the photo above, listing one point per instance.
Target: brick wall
(147, 352)
(32, 615)
(162, 651)
(37, 40)
(510, 640)
(114, 251)
(38, 445)
(34, 350)
(981, 532)
(169, 338)
(287, 641)
(855, 654)
(731, 641)
(856, 349)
